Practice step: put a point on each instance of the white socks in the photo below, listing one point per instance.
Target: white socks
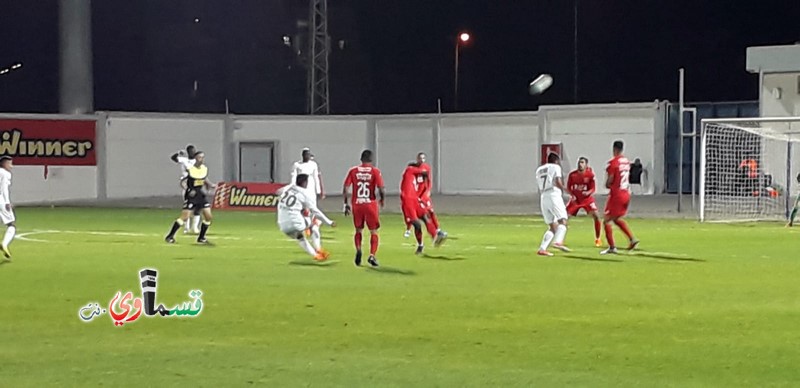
(307, 247)
(196, 222)
(561, 233)
(10, 232)
(548, 237)
(316, 238)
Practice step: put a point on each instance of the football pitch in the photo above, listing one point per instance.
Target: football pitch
(697, 305)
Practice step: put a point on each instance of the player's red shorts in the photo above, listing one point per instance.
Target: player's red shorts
(587, 204)
(412, 209)
(617, 204)
(366, 214)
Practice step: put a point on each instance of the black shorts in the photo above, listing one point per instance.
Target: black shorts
(195, 199)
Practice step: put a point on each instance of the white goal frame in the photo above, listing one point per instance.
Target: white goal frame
(790, 136)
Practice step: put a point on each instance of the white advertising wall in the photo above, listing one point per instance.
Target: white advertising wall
(138, 148)
(335, 142)
(590, 130)
(474, 153)
(489, 154)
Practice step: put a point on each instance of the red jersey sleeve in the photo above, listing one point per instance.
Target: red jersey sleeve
(348, 180)
(592, 183)
(377, 178)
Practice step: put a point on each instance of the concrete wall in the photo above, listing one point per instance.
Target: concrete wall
(492, 154)
(780, 95)
(476, 153)
(138, 148)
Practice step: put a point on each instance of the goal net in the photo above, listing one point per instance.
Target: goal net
(748, 169)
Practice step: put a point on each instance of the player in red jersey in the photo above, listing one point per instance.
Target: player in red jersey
(424, 187)
(617, 181)
(414, 211)
(364, 181)
(581, 187)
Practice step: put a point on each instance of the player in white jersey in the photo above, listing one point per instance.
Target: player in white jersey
(551, 181)
(292, 220)
(6, 210)
(309, 167)
(185, 160)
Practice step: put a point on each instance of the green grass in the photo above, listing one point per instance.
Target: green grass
(699, 305)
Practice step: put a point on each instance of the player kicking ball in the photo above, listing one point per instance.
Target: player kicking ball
(291, 220)
(581, 187)
(617, 181)
(550, 181)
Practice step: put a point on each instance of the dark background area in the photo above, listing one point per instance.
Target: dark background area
(397, 55)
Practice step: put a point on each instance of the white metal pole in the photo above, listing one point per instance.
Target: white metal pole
(703, 142)
(680, 138)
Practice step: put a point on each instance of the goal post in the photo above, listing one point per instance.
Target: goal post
(748, 168)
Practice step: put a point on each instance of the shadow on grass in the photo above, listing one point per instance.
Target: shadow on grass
(391, 270)
(314, 263)
(663, 256)
(5, 261)
(207, 244)
(183, 258)
(443, 257)
(589, 258)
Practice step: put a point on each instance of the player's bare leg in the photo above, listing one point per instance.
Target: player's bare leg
(546, 240)
(373, 247)
(11, 231)
(597, 227)
(207, 217)
(357, 240)
(612, 248)
(560, 235)
(182, 220)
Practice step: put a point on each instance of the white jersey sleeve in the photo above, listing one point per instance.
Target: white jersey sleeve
(295, 169)
(5, 185)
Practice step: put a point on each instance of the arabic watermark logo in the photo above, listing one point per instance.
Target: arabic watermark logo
(125, 308)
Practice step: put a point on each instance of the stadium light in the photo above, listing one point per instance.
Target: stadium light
(6, 70)
(463, 38)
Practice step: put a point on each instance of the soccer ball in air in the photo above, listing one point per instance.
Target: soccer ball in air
(540, 84)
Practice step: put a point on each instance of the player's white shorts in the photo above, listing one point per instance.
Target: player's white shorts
(293, 227)
(6, 216)
(553, 209)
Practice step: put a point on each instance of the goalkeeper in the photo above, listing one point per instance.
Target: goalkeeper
(796, 206)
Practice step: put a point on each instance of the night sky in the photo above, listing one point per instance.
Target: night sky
(397, 56)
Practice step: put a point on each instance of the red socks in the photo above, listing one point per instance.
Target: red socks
(624, 226)
(373, 243)
(610, 236)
